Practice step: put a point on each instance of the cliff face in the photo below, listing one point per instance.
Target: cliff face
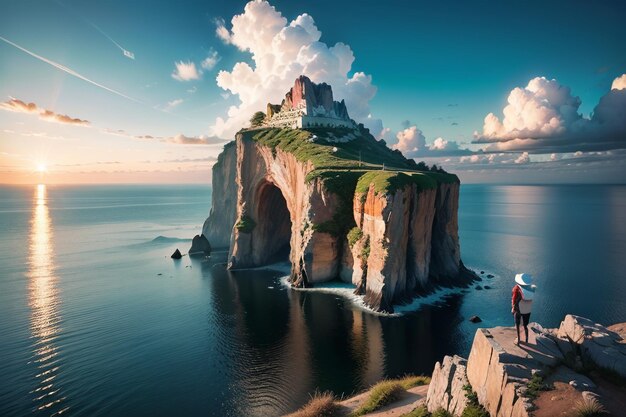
(390, 233)
(219, 225)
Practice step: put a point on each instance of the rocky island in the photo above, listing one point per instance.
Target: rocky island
(310, 182)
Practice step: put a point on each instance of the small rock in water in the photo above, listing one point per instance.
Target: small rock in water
(176, 254)
(159, 273)
(475, 319)
(487, 287)
(482, 272)
(489, 275)
(478, 287)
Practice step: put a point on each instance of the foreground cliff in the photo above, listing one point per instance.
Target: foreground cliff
(556, 372)
(339, 203)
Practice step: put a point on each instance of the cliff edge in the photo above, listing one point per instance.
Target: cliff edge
(342, 205)
(552, 374)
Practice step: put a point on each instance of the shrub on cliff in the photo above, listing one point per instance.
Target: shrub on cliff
(420, 411)
(354, 235)
(380, 395)
(245, 224)
(257, 119)
(473, 410)
(440, 412)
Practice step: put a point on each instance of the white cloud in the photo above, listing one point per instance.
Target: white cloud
(440, 144)
(541, 109)
(186, 71)
(281, 51)
(524, 158)
(174, 103)
(221, 31)
(410, 141)
(192, 90)
(619, 83)
(211, 60)
(543, 117)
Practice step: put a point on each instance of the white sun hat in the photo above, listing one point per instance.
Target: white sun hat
(524, 279)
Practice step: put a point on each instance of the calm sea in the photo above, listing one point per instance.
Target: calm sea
(96, 319)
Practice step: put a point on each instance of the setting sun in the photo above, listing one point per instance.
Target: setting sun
(42, 168)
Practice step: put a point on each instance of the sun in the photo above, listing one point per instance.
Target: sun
(41, 168)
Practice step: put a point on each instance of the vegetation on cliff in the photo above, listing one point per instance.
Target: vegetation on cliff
(348, 161)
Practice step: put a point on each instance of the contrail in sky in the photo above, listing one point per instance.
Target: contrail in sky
(126, 53)
(69, 71)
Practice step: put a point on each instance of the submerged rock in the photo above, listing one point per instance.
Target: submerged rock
(200, 246)
(176, 254)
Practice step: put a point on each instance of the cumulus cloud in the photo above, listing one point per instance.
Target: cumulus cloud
(185, 71)
(542, 109)
(281, 50)
(211, 60)
(412, 143)
(19, 106)
(440, 144)
(543, 117)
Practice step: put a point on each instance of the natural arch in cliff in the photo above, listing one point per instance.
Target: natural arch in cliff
(272, 233)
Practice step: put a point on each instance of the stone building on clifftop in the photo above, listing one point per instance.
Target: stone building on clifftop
(308, 105)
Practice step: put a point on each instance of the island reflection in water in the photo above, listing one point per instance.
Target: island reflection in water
(44, 302)
(284, 345)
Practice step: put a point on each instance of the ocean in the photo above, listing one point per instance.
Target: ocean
(96, 319)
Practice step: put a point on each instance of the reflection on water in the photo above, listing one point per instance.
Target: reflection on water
(44, 304)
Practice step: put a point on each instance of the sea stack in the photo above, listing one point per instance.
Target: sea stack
(200, 246)
(341, 203)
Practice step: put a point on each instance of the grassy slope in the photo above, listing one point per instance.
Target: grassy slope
(344, 162)
(348, 167)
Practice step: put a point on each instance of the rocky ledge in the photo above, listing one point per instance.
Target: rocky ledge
(506, 379)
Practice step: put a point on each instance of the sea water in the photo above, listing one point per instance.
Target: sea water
(96, 319)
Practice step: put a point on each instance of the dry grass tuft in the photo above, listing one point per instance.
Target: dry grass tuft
(589, 407)
(320, 405)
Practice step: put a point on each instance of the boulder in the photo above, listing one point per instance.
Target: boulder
(596, 344)
(176, 254)
(200, 246)
(446, 386)
(475, 319)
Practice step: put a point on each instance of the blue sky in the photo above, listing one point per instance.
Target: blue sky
(439, 68)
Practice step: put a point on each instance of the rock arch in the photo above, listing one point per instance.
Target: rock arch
(272, 234)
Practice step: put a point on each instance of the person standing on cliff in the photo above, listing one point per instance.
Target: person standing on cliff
(521, 302)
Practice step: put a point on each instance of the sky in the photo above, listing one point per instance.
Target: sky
(150, 91)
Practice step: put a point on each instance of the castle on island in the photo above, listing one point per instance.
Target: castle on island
(308, 105)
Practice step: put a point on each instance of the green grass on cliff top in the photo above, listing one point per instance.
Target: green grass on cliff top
(338, 164)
